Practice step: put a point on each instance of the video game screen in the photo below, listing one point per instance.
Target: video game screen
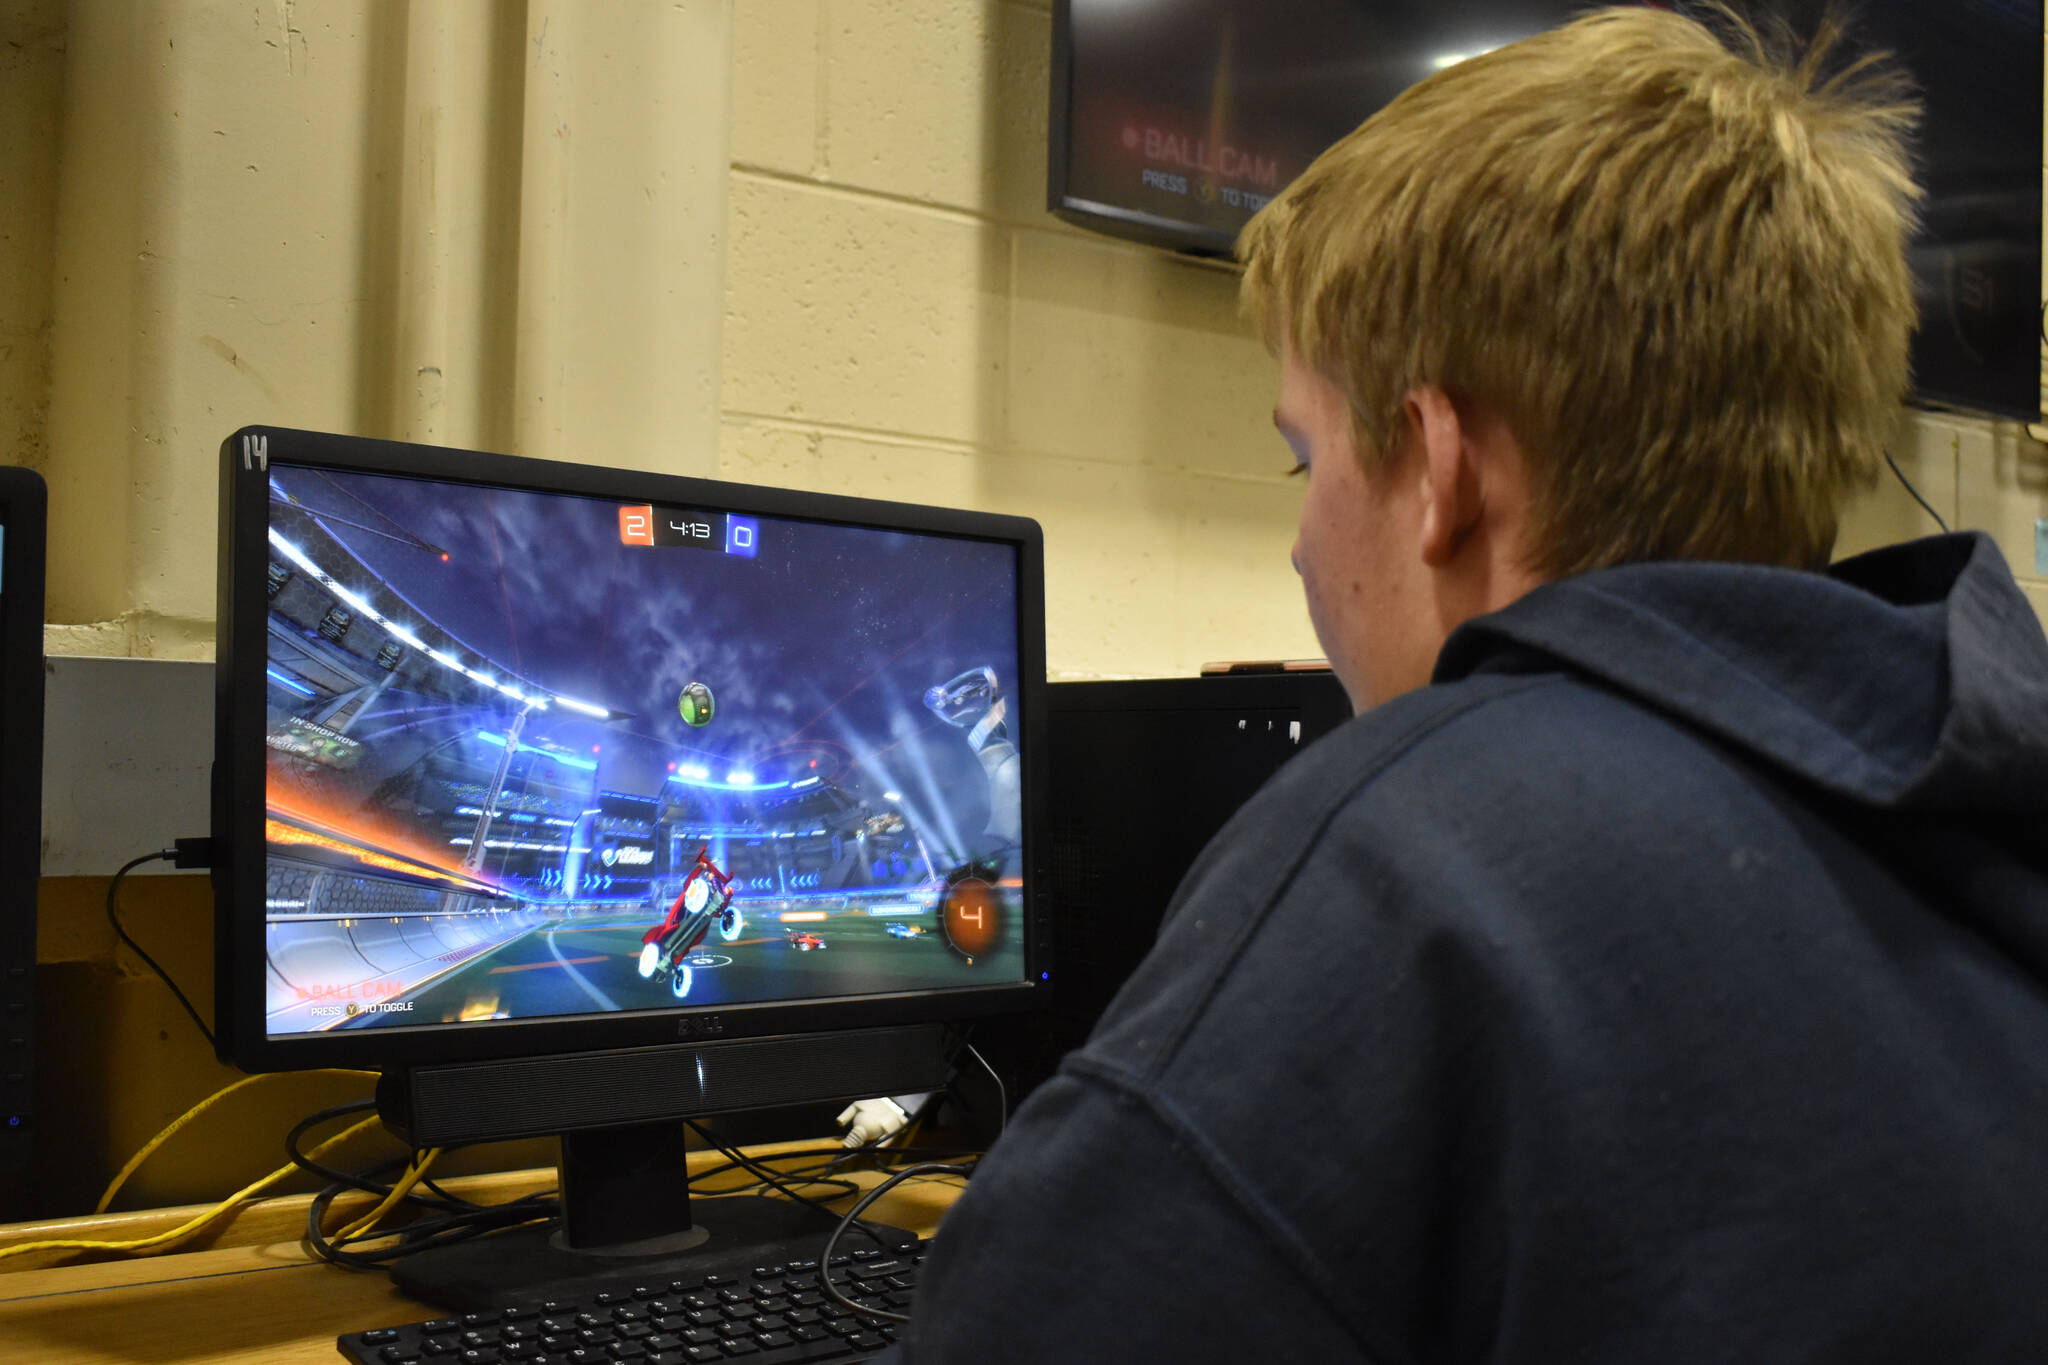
(537, 754)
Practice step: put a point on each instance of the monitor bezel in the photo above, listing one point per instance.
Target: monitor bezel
(24, 514)
(239, 781)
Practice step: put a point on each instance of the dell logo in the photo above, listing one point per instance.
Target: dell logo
(256, 452)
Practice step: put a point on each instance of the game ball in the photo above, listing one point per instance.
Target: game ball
(695, 704)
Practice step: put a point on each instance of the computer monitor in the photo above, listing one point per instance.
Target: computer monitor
(582, 801)
(22, 518)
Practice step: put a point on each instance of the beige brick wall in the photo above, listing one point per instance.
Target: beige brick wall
(904, 320)
(1984, 476)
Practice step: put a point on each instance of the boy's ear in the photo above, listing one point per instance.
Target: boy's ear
(1451, 488)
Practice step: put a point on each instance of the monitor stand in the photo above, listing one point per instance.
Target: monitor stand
(627, 1222)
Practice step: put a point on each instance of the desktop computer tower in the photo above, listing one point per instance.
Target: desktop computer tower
(1143, 774)
(22, 515)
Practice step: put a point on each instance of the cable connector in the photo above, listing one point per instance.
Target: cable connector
(872, 1120)
(194, 852)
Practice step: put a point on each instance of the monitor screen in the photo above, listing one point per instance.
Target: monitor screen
(1174, 124)
(548, 754)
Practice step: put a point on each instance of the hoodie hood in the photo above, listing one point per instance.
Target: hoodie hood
(1913, 678)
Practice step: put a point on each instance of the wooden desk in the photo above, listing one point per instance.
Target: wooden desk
(253, 1295)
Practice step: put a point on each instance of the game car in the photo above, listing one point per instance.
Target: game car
(898, 929)
(804, 941)
(704, 901)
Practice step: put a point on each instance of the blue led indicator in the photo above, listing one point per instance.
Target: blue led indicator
(742, 536)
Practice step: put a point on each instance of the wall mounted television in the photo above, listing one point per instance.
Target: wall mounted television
(1171, 124)
(585, 802)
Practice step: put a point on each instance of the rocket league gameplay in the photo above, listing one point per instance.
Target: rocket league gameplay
(538, 755)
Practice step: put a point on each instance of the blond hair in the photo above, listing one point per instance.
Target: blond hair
(1675, 268)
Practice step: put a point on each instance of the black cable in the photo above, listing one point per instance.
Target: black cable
(1915, 492)
(114, 918)
(421, 1233)
(457, 1219)
(825, 1257)
(347, 1180)
(839, 1155)
(763, 1175)
(330, 1174)
(1002, 1091)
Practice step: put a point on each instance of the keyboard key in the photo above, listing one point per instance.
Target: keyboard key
(874, 1270)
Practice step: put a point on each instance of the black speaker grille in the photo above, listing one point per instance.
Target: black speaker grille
(535, 1096)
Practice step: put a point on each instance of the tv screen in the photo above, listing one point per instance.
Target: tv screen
(516, 744)
(1174, 124)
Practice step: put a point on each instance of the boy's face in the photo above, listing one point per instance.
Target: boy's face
(1357, 547)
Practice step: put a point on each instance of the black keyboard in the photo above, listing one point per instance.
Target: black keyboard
(763, 1315)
